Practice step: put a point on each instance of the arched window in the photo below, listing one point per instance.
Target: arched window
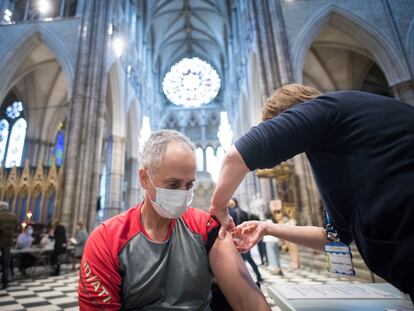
(13, 128)
(210, 159)
(56, 151)
(60, 144)
(4, 134)
(191, 82)
(200, 159)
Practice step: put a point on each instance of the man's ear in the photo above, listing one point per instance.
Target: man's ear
(143, 177)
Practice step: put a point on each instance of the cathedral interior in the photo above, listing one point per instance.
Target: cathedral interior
(83, 83)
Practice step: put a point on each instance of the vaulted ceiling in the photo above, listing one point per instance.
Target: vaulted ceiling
(188, 28)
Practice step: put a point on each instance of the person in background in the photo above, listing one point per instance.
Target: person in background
(8, 226)
(79, 240)
(258, 209)
(25, 240)
(59, 234)
(47, 241)
(273, 253)
(240, 216)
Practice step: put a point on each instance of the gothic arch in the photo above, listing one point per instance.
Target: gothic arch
(169, 120)
(24, 46)
(192, 119)
(384, 52)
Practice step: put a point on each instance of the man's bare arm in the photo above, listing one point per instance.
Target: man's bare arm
(233, 278)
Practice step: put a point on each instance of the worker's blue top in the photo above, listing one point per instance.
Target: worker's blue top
(361, 150)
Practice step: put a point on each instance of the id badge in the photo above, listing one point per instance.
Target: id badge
(339, 258)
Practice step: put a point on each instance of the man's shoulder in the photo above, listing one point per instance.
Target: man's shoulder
(199, 221)
(194, 217)
(116, 230)
(195, 212)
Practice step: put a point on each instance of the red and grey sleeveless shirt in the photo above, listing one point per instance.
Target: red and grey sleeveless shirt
(122, 268)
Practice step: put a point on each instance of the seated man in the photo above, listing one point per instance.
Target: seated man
(158, 255)
(25, 240)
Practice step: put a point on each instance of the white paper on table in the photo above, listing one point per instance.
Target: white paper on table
(346, 291)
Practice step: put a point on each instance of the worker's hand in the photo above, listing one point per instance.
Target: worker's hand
(248, 234)
(225, 220)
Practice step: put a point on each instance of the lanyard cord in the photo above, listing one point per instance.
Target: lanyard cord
(330, 232)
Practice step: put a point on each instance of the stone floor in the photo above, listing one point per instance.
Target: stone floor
(41, 293)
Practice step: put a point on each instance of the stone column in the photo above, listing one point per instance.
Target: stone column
(307, 194)
(280, 41)
(83, 146)
(115, 181)
(250, 188)
(132, 179)
(79, 7)
(272, 43)
(265, 190)
(3, 7)
(266, 47)
(404, 91)
(203, 126)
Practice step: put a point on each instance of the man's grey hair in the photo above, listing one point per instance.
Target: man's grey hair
(154, 148)
(4, 206)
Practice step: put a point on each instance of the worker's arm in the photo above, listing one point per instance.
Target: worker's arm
(249, 233)
(231, 175)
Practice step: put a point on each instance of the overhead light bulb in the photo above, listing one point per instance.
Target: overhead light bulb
(118, 45)
(43, 6)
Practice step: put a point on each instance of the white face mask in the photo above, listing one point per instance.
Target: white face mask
(171, 203)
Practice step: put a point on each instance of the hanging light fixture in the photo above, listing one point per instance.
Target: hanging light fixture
(8, 16)
(118, 45)
(43, 6)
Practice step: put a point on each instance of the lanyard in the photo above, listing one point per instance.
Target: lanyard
(338, 255)
(331, 233)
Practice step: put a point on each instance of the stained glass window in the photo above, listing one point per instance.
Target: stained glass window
(16, 143)
(210, 158)
(191, 82)
(214, 161)
(12, 134)
(60, 143)
(199, 159)
(4, 135)
(14, 110)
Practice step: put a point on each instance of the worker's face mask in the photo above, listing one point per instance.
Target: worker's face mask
(171, 203)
